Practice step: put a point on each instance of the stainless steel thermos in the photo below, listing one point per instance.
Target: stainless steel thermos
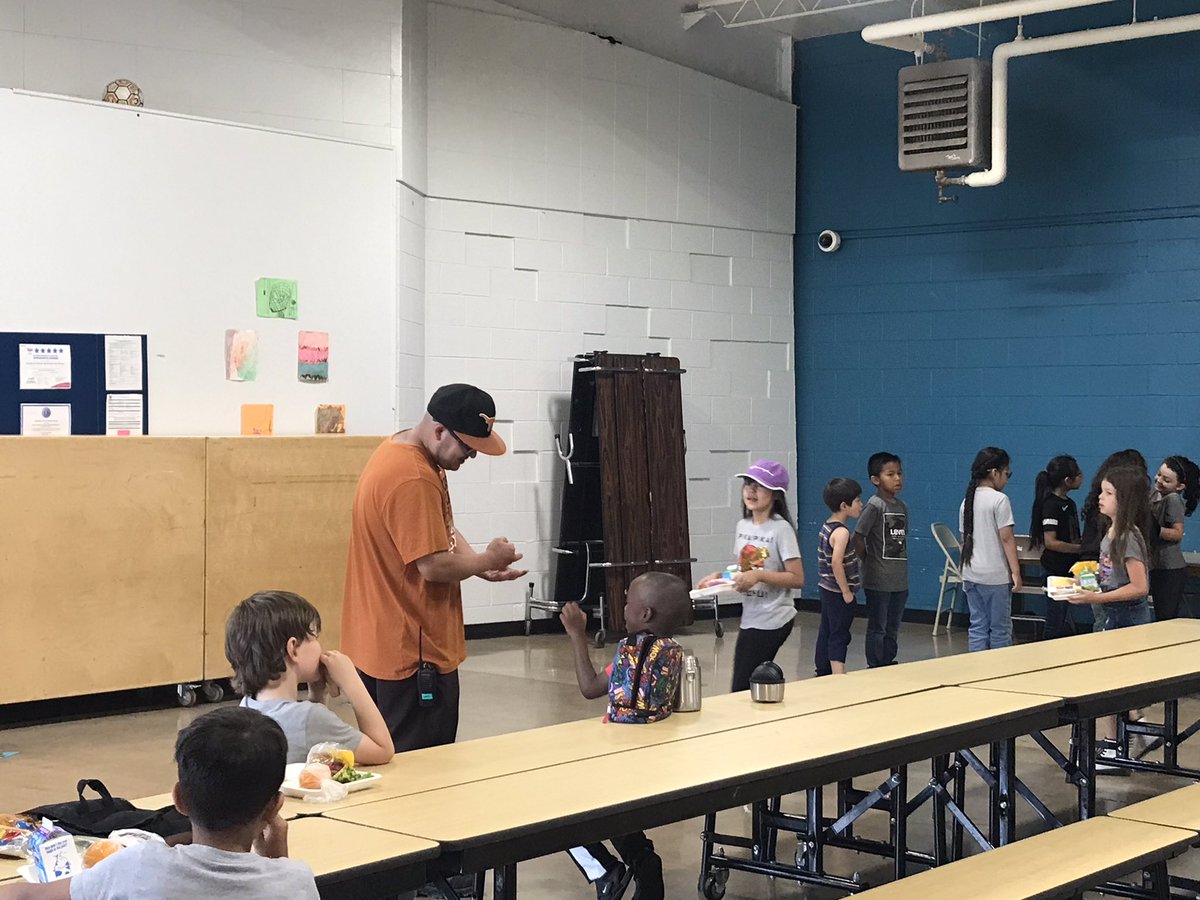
(689, 685)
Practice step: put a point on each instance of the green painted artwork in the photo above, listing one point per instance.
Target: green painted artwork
(277, 298)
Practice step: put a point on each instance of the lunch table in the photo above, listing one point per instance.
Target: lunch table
(496, 823)
(1107, 687)
(359, 863)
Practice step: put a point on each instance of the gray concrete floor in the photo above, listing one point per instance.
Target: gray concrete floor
(509, 684)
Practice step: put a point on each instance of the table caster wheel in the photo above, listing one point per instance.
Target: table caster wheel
(714, 884)
(719, 630)
(187, 695)
(213, 692)
(600, 639)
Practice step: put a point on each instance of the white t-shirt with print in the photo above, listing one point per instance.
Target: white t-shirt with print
(768, 547)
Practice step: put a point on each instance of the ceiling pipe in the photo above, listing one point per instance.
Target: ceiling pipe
(1033, 46)
(909, 34)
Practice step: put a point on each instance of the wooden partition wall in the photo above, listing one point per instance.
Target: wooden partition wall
(278, 517)
(101, 564)
(121, 557)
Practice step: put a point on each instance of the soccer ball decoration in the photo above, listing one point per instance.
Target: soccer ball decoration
(124, 92)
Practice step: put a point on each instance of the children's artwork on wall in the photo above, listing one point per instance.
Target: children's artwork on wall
(258, 418)
(276, 298)
(241, 355)
(331, 418)
(314, 357)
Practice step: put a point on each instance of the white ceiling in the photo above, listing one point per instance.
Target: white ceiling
(757, 56)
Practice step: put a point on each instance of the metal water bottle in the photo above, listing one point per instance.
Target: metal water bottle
(689, 686)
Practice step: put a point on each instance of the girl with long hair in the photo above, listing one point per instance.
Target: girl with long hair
(989, 568)
(1174, 495)
(1054, 526)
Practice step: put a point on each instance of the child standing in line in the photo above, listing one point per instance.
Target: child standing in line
(272, 640)
(770, 569)
(839, 575)
(640, 682)
(989, 551)
(881, 541)
(1123, 579)
(1054, 526)
(1093, 524)
(1174, 495)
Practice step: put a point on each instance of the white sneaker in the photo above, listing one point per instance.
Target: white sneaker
(1139, 743)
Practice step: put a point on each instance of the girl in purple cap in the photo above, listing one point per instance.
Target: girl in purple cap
(769, 569)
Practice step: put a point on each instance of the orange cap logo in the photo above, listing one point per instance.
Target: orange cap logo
(491, 421)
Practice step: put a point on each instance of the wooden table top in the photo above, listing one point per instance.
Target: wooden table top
(735, 766)
(1153, 672)
(968, 668)
(8, 868)
(1052, 864)
(329, 846)
(467, 762)
(1178, 809)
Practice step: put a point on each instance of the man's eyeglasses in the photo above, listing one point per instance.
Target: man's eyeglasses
(467, 448)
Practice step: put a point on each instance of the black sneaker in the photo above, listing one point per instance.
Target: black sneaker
(463, 885)
(611, 885)
(648, 878)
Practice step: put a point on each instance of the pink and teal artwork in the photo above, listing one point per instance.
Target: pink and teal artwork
(314, 357)
(241, 355)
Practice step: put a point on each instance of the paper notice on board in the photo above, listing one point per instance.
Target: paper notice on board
(122, 362)
(46, 420)
(45, 367)
(123, 414)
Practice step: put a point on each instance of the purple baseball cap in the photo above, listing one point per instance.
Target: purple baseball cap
(770, 474)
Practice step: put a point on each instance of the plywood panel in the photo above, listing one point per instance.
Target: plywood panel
(278, 518)
(101, 564)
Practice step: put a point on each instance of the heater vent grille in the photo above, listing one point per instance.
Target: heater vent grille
(945, 115)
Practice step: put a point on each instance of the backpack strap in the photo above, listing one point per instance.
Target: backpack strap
(647, 645)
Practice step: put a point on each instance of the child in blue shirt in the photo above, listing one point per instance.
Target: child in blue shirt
(657, 603)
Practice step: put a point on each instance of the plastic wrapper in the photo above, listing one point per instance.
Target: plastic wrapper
(329, 792)
(15, 832)
(339, 760)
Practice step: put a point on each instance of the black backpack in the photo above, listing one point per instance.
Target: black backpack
(97, 818)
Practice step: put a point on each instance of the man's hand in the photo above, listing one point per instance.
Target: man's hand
(501, 553)
(574, 619)
(509, 574)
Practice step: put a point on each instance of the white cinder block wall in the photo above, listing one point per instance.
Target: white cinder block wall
(584, 196)
(580, 196)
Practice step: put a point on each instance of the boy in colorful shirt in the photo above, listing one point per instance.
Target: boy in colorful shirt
(641, 684)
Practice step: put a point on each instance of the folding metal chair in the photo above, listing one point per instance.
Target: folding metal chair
(951, 575)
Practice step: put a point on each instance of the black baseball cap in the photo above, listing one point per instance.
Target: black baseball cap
(470, 414)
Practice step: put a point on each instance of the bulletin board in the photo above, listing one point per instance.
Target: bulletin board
(88, 393)
(101, 564)
(278, 518)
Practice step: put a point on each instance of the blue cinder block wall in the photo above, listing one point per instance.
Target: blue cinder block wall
(1056, 313)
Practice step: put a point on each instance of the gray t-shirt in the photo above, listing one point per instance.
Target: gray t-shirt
(1113, 572)
(193, 872)
(992, 512)
(1168, 511)
(884, 529)
(768, 547)
(305, 723)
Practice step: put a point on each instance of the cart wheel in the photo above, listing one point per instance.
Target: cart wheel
(187, 695)
(801, 856)
(714, 884)
(600, 638)
(213, 692)
(719, 630)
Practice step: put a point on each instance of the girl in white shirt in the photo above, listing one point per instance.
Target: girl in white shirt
(989, 551)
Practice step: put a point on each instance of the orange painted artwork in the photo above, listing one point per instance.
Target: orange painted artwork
(258, 418)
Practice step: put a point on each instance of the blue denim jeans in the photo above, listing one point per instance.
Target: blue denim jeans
(990, 606)
(1126, 615)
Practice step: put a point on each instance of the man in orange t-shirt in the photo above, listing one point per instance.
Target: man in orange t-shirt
(402, 619)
